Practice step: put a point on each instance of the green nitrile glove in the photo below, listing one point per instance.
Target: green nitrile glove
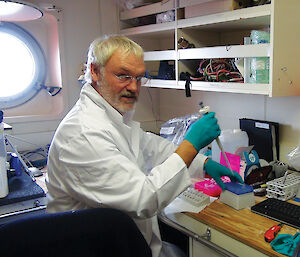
(203, 131)
(217, 170)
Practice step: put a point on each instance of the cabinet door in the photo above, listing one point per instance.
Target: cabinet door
(197, 250)
(285, 53)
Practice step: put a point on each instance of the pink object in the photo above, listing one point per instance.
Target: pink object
(234, 160)
(210, 187)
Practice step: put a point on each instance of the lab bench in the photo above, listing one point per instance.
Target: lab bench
(26, 198)
(220, 230)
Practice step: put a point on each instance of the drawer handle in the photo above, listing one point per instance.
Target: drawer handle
(207, 234)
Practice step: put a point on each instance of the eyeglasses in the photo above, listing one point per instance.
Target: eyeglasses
(126, 79)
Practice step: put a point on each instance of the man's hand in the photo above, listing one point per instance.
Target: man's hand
(203, 131)
(217, 170)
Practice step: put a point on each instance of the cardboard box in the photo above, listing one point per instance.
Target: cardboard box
(206, 8)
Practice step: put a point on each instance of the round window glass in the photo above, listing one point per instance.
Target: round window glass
(22, 65)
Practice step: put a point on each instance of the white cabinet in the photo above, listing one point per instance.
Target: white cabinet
(205, 240)
(220, 35)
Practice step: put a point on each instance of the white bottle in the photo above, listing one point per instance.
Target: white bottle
(3, 170)
(231, 140)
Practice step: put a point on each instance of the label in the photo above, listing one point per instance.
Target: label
(262, 125)
(167, 130)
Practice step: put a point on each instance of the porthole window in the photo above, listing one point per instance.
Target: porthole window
(22, 66)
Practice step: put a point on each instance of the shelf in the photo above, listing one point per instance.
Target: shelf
(161, 30)
(244, 88)
(220, 35)
(241, 88)
(163, 84)
(233, 51)
(147, 10)
(160, 55)
(246, 18)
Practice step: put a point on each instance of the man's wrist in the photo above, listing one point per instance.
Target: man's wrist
(187, 152)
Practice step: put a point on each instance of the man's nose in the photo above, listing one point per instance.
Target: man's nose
(133, 86)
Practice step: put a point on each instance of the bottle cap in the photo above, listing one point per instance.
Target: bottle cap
(1, 116)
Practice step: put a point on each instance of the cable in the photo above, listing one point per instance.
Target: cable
(218, 70)
(28, 155)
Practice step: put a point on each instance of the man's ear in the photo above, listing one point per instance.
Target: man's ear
(95, 72)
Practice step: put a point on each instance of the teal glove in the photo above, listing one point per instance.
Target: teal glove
(203, 131)
(286, 243)
(217, 170)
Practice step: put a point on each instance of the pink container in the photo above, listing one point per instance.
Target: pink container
(210, 187)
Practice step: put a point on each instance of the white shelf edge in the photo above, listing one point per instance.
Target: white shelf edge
(152, 28)
(229, 16)
(222, 87)
(232, 51)
(160, 83)
(147, 10)
(242, 88)
(160, 55)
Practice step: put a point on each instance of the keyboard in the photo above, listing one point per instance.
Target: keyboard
(194, 197)
(279, 210)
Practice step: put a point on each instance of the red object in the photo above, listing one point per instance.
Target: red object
(272, 232)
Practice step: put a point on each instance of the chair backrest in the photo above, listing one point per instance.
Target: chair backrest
(99, 232)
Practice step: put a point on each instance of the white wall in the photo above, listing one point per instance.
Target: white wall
(230, 107)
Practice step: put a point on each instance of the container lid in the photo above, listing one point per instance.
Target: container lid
(238, 188)
(1, 116)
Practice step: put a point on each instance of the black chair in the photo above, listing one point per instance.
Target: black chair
(99, 232)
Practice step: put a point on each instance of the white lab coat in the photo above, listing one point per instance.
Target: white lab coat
(100, 158)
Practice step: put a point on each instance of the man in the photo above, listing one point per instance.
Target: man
(99, 156)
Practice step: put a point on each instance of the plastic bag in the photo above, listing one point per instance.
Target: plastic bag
(294, 158)
(174, 130)
(165, 17)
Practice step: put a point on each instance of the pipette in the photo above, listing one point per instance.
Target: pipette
(205, 110)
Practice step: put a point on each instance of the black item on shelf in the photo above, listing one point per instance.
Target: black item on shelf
(166, 70)
(187, 77)
(264, 135)
(188, 86)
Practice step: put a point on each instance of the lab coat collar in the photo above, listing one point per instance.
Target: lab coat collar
(124, 121)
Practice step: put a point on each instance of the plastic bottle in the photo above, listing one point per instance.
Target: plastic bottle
(231, 140)
(259, 66)
(3, 170)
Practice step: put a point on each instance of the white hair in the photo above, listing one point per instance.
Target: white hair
(101, 49)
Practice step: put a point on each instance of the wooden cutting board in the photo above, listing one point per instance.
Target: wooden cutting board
(242, 225)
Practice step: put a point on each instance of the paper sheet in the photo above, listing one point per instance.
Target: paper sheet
(180, 205)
